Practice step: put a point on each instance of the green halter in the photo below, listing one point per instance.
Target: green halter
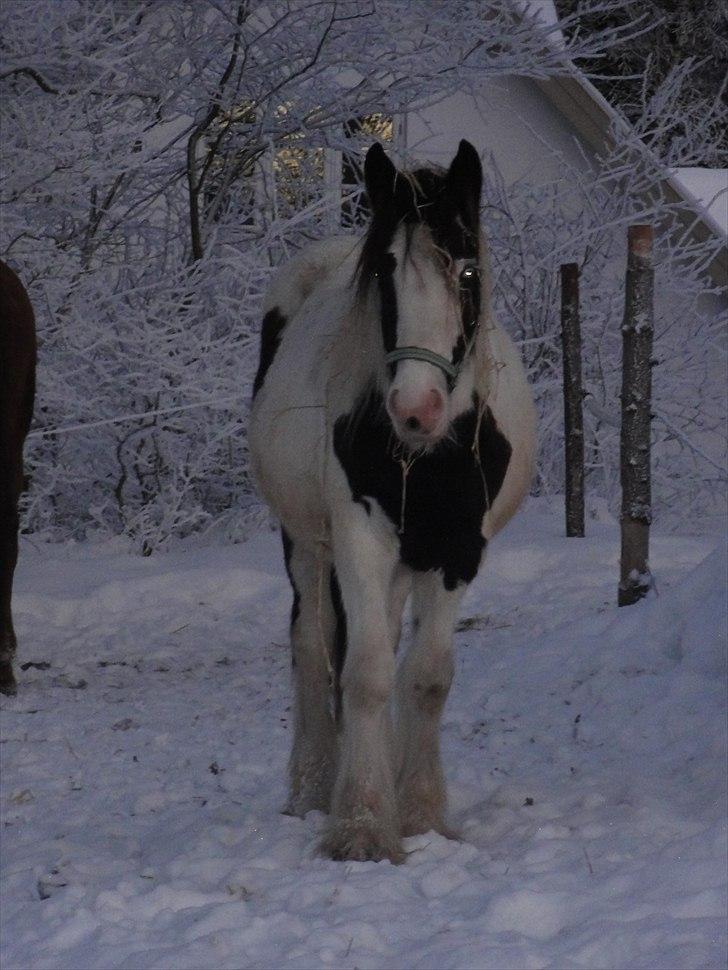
(429, 356)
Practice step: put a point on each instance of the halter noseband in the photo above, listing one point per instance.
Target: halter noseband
(429, 356)
(450, 370)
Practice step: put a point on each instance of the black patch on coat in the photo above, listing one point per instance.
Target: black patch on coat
(270, 339)
(287, 553)
(448, 489)
(339, 646)
(388, 298)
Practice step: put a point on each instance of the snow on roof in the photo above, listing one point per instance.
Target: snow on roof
(705, 190)
(545, 11)
(708, 189)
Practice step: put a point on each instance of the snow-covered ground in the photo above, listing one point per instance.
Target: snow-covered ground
(144, 770)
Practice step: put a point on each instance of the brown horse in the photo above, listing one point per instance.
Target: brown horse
(17, 392)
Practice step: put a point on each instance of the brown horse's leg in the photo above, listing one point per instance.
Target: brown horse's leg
(17, 391)
(8, 559)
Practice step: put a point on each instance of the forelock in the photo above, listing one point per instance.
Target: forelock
(419, 199)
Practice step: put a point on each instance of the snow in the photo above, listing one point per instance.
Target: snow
(708, 187)
(585, 747)
(545, 11)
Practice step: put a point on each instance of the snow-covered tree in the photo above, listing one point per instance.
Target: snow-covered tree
(679, 33)
(161, 156)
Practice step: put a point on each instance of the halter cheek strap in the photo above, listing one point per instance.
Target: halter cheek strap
(429, 356)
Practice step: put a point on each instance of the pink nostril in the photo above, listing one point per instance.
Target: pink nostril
(421, 416)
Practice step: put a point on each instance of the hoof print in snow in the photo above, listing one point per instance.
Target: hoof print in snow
(239, 892)
(470, 623)
(65, 681)
(48, 885)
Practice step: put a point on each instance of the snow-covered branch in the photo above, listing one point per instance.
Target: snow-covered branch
(160, 157)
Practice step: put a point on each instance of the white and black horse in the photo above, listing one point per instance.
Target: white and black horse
(392, 433)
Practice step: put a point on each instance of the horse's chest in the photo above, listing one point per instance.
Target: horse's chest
(436, 502)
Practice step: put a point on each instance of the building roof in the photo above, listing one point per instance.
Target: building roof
(545, 11)
(702, 193)
(596, 120)
(708, 187)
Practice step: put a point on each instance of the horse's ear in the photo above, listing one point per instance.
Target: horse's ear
(465, 181)
(380, 178)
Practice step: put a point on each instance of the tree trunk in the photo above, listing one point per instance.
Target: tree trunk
(573, 396)
(637, 332)
(196, 172)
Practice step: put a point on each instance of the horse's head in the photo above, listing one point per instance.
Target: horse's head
(422, 254)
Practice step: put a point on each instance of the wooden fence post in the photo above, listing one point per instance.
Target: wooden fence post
(637, 333)
(573, 397)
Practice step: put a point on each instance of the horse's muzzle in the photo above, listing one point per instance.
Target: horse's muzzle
(418, 423)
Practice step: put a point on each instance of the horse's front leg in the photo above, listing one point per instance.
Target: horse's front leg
(312, 763)
(423, 683)
(364, 819)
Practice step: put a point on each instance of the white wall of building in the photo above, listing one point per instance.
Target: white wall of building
(510, 119)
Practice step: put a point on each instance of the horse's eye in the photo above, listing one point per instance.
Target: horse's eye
(469, 273)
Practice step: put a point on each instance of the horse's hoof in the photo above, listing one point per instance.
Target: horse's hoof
(354, 842)
(421, 808)
(8, 684)
(415, 820)
(299, 807)
(420, 826)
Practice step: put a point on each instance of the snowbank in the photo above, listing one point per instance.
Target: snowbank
(143, 771)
